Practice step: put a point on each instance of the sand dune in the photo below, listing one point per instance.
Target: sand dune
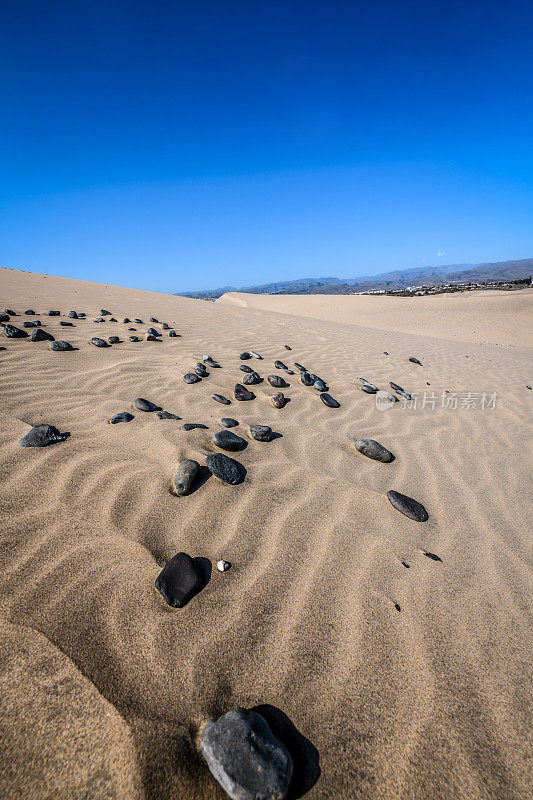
(389, 674)
(485, 317)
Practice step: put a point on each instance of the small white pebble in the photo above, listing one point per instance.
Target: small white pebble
(223, 566)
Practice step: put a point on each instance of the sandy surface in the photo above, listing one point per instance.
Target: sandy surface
(484, 317)
(385, 679)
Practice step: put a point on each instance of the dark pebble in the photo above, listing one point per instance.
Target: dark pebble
(228, 440)
(172, 333)
(245, 757)
(245, 368)
(433, 556)
(66, 324)
(201, 370)
(184, 477)
(240, 392)
(153, 319)
(60, 345)
(415, 360)
(4, 318)
(9, 312)
(306, 379)
(72, 315)
(406, 505)
(126, 320)
(277, 381)
(280, 365)
(31, 323)
(104, 313)
(369, 388)
(299, 366)
(221, 399)
(145, 405)
(133, 338)
(179, 580)
(12, 332)
(245, 356)
(40, 335)
(262, 433)
(114, 340)
(190, 426)
(164, 326)
(251, 378)
(228, 422)
(166, 415)
(374, 450)
(41, 436)
(53, 313)
(98, 342)
(211, 362)
(225, 468)
(191, 377)
(98, 319)
(30, 312)
(286, 346)
(328, 400)
(278, 400)
(138, 321)
(320, 385)
(123, 416)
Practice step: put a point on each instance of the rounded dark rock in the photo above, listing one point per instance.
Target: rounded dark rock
(277, 381)
(123, 416)
(4, 318)
(184, 477)
(328, 400)
(41, 436)
(126, 320)
(251, 378)
(201, 370)
(221, 399)
(40, 335)
(369, 388)
(112, 319)
(98, 342)
(166, 415)
(245, 368)
(306, 379)
(164, 326)
(245, 757)
(9, 312)
(72, 314)
(134, 338)
(153, 332)
(406, 505)
(153, 319)
(191, 377)
(240, 392)
(172, 333)
(53, 313)
(114, 340)
(245, 356)
(145, 405)
(228, 440)
(278, 400)
(138, 321)
(66, 324)
(60, 345)
(229, 422)
(262, 433)
(225, 468)
(415, 360)
(104, 313)
(280, 365)
(179, 580)
(12, 332)
(29, 323)
(191, 426)
(374, 450)
(30, 312)
(320, 385)
(98, 319)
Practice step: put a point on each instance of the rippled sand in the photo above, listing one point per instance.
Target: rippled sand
(387, 679)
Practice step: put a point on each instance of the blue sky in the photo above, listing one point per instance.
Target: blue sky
(183, 145)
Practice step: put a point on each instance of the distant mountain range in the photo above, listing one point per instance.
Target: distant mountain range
(417, 276)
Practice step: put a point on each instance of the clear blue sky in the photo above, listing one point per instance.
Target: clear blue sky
(184, 145)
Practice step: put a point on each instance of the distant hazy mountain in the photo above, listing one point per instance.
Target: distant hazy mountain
(430, 276)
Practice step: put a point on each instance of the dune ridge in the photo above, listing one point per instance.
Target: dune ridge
(402, 681)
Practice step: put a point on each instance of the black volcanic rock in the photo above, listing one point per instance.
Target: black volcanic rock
(225, 468)
(179, 580)
(406, 505)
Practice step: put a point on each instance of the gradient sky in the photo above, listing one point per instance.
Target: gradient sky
(187, 145)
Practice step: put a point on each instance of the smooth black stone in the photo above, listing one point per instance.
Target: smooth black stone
(245, 368)
(112, 319)
(433, 556)
(40, 335)
(98, 342)
(133, 338)
(221, 399)
(9, 312)
(152, 332)
(278, 400)
(72, 315)
(191, 377)
(251, 378)
(172, 333)
(98, 319)
(164, 326)
(30, 312)
(320, 385)
(406, 505)
(328, 400)
(153, 319)
(166, 415)
(104, 313)
(190, 426)
(245, 757)
(306, 379)
(415, 360)
(145, 405)
(4, 317)
(211, 362)
(66, 324)
(374, 450)
(299, 366)
(114, 340)
(240, 392)
(228, 440)
(149, 337)
(277, 381)
(179, 580)
(12, 332)
(28, 323)
(225, 468)
(201, 370)
(184, 477)
(53, 313)
(280, 365)
(228, 422)
(138, 321)
(41, 436)
(286, 346)
(369, 388)
(245, 356)
(60, 345)
(126, 320)
(123, 416)
(262, 433)
(314, 377)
